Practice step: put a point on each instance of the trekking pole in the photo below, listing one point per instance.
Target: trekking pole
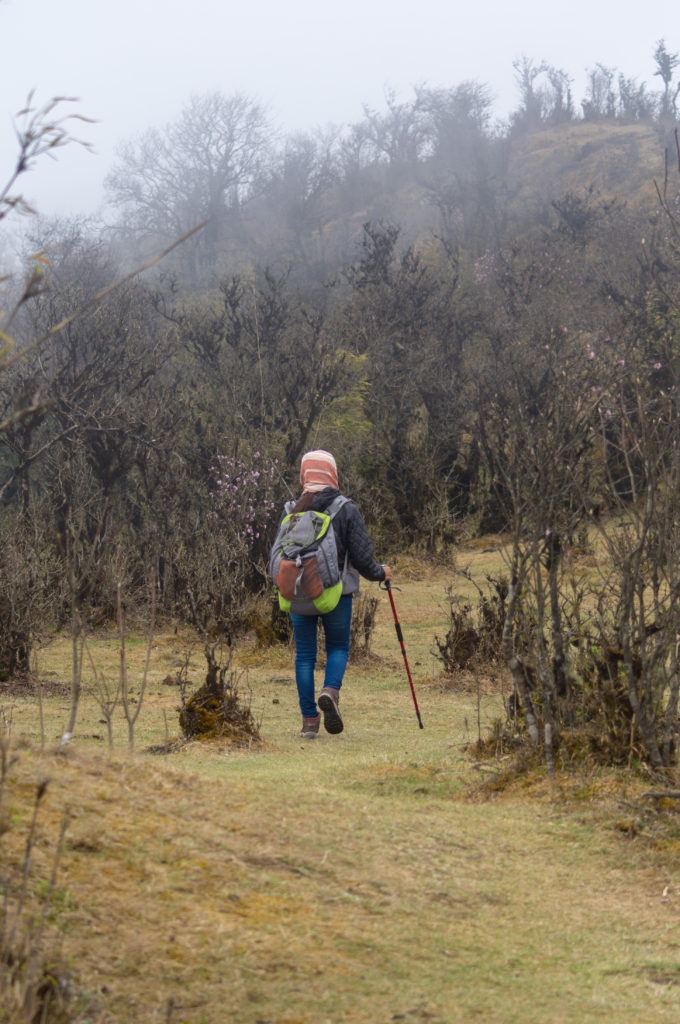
(386, 585)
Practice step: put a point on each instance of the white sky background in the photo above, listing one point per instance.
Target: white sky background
(133, 64)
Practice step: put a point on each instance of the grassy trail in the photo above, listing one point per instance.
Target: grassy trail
(358, 879)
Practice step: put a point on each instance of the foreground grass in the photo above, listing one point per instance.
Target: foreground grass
(370, 877)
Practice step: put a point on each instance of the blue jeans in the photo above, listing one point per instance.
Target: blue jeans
(336, 627)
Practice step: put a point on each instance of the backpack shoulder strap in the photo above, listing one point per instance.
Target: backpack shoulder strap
(336, 505)
(332, 511)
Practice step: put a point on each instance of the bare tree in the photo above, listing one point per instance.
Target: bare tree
(600, 100)
(462, 170)
(541, 102)
(300, 205)
(408, 320)
(271, 358)
(666, 63)
(535, 424)
(398, 136)
(202, 167)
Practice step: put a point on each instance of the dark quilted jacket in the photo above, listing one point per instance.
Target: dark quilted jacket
(351, 535)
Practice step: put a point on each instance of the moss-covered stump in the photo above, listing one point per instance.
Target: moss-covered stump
(216, 711)
(211, 715)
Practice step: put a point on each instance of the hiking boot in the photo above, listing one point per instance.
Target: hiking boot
(328, 703)
(310, 727)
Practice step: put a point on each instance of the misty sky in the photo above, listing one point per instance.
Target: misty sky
(133, 64)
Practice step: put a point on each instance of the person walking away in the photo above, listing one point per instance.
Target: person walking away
(320, 491)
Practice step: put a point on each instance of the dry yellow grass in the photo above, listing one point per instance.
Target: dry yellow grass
(365, 878)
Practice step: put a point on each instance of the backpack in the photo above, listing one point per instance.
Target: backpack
(303, 561)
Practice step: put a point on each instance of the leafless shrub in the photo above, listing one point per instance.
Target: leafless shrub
(475, 632)
(132, 706)
(107, 693)
(40, 131)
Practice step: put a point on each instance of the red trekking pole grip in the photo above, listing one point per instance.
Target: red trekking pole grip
(400, 636)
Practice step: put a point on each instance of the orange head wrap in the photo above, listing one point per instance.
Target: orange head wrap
(318, 470)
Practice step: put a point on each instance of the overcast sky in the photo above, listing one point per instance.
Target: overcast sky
(133, 64)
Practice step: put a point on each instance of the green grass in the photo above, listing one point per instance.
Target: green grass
(367, 878)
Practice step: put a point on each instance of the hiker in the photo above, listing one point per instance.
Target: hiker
(321, 493)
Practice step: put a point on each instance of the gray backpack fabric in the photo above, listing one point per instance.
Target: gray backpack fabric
(303, 562)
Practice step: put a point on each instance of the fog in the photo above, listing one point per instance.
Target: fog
(134, 65)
